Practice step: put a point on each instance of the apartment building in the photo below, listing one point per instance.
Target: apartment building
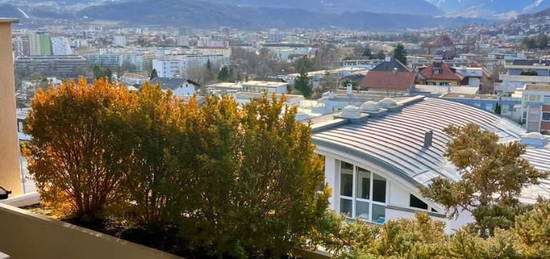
(521, 72)
(67, 66)
(174, 66)
(535, 107)
(61, 46)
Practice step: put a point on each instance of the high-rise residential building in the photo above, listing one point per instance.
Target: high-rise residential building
(61, 46)
(523, 71)
(536, 107)
(178, 65)
(21, 45)
(67, 66)
(110, 60)
(182, 40)
(119, 41)
(40, 44)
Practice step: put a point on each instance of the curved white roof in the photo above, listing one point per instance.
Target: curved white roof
(395, 141)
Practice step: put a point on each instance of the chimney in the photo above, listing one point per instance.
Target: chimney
(349, 89)
(428, 137)
(10, 174)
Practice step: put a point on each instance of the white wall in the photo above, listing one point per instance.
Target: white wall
(451, 225)
(185, 90)
(398, 194)
(332, 181)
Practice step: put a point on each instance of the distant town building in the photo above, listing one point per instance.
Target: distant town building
(523, 71)
(264, 87)
(40, 44)
(61, 46)
(226, 88)
(68, 66)
(390, 76)
(536, 108)
(179, 87)
(110, 60)
(119, 41)
(21, 45)
(131, 79)
(439, 73)
(177, 66)
(209, 43)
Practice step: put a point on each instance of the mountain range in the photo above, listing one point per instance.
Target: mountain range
(491, 8)
(214, 14)
(417, 7)
(374, 15)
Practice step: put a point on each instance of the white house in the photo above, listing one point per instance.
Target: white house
(378, 154)
(180, 87)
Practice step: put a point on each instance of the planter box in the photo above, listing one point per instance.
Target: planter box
(27, 235)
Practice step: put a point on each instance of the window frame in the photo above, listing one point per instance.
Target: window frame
(354, 197)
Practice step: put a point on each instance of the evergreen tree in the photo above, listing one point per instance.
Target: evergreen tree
(498, 108)
(109, 74)
(209, 65)
(224, 74)
(542, 41)
(492, 177)
(380, 55)
(329, 82)
(154, 74)
(303, 85)
(367, 53)
(400, 53)
(303, 64)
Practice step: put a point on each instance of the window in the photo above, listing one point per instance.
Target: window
(378, 213)
(534, 98)
(379, 188)
(547, 99)
(363, 183)
(346, 180)
(346, 207)
(546, 116)
(362, 193)
(417, 203)
(362, 210)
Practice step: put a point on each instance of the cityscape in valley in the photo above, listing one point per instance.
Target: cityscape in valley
(275, 129)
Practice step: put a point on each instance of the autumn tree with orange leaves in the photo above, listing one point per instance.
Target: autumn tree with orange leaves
(234, 180)
(72, 155)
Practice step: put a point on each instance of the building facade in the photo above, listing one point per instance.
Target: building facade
(536, 108)
(61, 46)
(521, 72)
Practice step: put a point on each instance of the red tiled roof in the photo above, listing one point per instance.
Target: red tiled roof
(445, 73)
(381, 80)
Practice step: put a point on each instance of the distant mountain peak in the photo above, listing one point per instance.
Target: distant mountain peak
(488, 8)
